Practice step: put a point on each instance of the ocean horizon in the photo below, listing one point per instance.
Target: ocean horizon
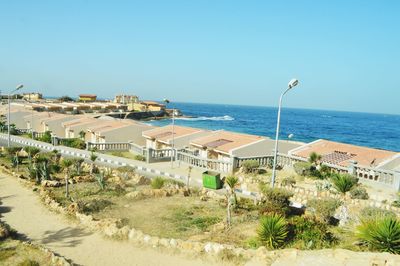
(375, 130)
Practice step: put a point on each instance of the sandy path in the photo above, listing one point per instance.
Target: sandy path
(23, 210)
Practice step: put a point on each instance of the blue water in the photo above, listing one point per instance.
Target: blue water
(365, 129)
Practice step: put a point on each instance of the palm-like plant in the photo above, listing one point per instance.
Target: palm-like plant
(77, 163)
(314, 158)
(273, 231)
(381, 234)
(13, 153)
(231, 182)
(101, 180)
(66, 164)
(93, 158)
(343, 182)
(82, 134)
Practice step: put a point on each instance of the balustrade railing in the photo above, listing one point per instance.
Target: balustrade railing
(208, 164)
(109, 146)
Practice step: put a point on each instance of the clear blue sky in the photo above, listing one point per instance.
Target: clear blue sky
(346, 55)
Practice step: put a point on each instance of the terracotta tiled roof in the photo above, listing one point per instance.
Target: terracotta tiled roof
(225, 141)
(342, 153)
(165, 133)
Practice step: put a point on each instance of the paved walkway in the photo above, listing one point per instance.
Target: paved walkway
(21, 209)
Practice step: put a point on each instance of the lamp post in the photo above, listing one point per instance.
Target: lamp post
(9, 106)
(291, 85)
(173, 134)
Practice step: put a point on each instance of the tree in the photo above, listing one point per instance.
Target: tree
(82, 134)
(66, 164)
(66, 99)
(314, 158)
(231, 182)
(77, 163)
(93, 158)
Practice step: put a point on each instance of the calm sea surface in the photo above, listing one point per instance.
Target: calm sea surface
(373, 130)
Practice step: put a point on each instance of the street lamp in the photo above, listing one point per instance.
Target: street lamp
(292, 83)
(173, 134)
(9, 106)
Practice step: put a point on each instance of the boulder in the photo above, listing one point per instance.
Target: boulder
(134, 195)
(139, 180)
(50, 183)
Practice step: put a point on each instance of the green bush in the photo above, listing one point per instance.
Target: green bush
(309, 233)
(343, 182)
(288, 181)
(302, 168)
(272, 231)
(372, 213)
(139, 157)
(276, 200)
(250, 165)
(381, 234)
(46, 137)
(323, 209)
(359, 193)
(157, 182)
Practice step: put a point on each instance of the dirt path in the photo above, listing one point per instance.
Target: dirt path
(23, 210)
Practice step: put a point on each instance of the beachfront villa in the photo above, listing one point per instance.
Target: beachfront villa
(224, 145)
(54, 124)
(343, 154)
(106, 131)
(73, 127)
(147, 106)
(87, 97)
(161, 138)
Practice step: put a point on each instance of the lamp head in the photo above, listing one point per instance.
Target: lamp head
(20, 86)
(166, 100)
(293, 83)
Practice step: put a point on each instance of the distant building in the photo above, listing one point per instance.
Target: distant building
(147, 106)
(32, 96)
(87, 97)
(126, 99)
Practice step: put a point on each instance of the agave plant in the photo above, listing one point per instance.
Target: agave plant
(273, 231)
(343, 183)
(382, 234)
(100, 180)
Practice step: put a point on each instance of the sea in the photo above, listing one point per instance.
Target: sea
(380, 131)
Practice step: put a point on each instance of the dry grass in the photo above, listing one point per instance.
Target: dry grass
(14, 252)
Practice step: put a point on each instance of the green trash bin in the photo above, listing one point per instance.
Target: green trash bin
(212, 180)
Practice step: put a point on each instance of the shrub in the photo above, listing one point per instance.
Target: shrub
(288, 181)
(277, 200)
(302, 168)
(372, 213)
(139, 157)
(323, 209)
(250, 165)
(380, 234)
(359, 193)
(157, 182)
(46, 137)
(309, 233)
(273, 231)
(343, 182)
(95, 205)
(100, 180)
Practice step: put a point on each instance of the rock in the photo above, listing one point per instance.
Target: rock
(218, 227)
(185, 192)
(73, 207)
(173, 242)
(50, 183)
(83, 178)
(203, 198)
(139, 180)
(134, 195)
(159, 193)
(4, 233)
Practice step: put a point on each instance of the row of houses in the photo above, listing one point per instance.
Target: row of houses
(218, 145)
